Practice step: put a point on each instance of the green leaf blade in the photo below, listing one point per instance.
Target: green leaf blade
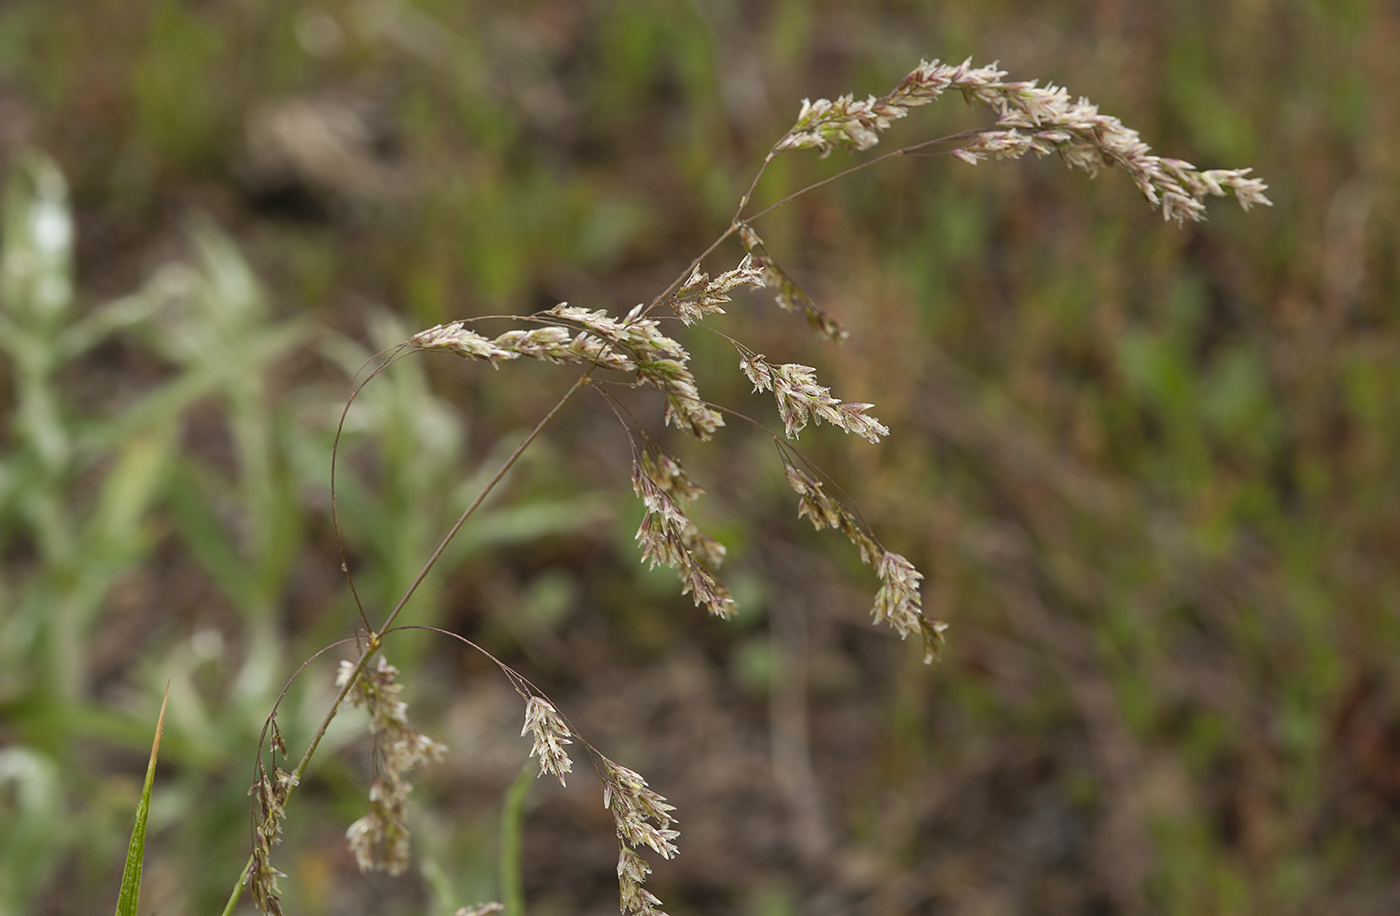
(136, 852)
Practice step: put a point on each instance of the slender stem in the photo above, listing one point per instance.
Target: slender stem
(335, 455)
(753, 185)
(734, 224)
(238, 888)
(902, 151)
(675, 284)
(371, 647)
(739, 219)
(481, 497)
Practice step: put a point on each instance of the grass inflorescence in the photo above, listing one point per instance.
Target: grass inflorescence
(1028, 119)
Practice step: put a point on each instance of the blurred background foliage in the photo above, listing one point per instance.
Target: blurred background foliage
(1153, 474)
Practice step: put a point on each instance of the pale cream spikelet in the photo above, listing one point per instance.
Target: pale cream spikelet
(543, 722)
(699, 296)
(642, 816)
(632, 871)
(800, 399)
(814, 504)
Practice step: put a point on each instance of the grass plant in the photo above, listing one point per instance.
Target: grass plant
(1147, 473)
(1028, 119)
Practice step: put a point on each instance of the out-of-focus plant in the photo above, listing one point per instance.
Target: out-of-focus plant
(87, 492)
(81, 547)
(79, 487)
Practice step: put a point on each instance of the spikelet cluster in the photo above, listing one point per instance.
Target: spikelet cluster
(642, 818)
(699, 296)
(550, 734)
(271, 791)
(380, 839)
(1030, 119)
(800, 399)
(660, 362)
(668, 536)
(898, 602)
(550, 344)
(632, 344)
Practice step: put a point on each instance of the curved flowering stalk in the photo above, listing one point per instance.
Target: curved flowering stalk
(1030, 118)
(632, 344)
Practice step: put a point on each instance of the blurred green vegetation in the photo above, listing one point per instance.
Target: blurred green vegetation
(1151, 473)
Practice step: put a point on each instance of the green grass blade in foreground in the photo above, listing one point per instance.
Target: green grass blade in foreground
(512, 816)
(136, 852)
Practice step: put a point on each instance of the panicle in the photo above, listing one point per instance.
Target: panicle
(1029, 119)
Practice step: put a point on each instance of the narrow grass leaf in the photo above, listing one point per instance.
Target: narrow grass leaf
(512, 817)
(136, 852)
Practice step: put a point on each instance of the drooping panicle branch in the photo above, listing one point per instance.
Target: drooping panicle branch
(668, 536)
(800, 399)
(790, 297)
(642, 818)
(1029, 119)
(380, 839)
(271, 791)
(898, 602)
